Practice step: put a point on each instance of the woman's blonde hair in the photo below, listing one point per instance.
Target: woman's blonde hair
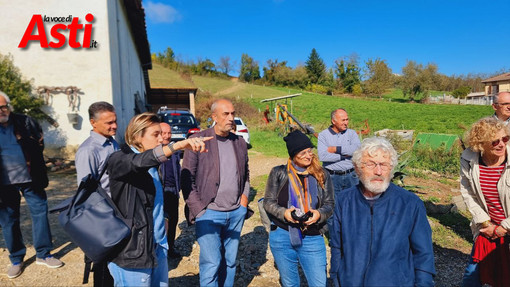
(137, 127)
(483, 131)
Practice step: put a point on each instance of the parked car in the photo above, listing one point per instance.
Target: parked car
(183, 122)
(242, 130)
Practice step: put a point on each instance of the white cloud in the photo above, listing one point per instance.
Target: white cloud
(161, 13)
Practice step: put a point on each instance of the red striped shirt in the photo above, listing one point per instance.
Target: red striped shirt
(489, 177)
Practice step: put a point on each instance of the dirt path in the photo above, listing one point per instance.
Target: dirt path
(237, 86)
(255, 266)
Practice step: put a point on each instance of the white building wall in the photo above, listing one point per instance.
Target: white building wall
(127, 75)
(111, 72)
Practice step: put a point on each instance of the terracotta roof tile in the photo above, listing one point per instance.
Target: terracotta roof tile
(502, 77)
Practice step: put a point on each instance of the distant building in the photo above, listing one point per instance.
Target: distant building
(478, 98)
(113, 69)
(494, 85)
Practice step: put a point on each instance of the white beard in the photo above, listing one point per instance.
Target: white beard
(4, 119)
(375, 187)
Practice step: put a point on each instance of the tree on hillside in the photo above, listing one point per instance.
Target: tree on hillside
(250, 70)
(224, 65)
(430, 77)
(461, 92)
(167, 59)
(18, 89)
(271, 69)
(348, 72)
(410, 80)
(315, 67)
(379, 77)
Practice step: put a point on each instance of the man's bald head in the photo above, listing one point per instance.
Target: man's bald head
(166, 133)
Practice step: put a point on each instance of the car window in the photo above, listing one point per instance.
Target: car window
(179, 119)
(238, 122)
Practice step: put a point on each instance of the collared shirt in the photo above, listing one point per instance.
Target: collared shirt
(505, 122)
(13, 164)
(91, 157)
(346, 143)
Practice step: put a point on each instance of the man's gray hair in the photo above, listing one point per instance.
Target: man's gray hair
(333, 113)
(99, 107)
(495, 100)
(6, 97)
(371, 146)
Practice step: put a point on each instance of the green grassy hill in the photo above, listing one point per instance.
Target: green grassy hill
(161, 77)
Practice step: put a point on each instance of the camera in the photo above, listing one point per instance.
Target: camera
(298, 215)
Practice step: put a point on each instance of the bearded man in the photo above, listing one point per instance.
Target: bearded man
(382, 236)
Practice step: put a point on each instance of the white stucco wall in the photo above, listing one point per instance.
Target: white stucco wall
(127, 76)
(111, 72)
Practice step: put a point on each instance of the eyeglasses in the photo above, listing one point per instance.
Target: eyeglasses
(372, 165)
(503, 139)
(305, 152)
(4, 108)
(503, 104)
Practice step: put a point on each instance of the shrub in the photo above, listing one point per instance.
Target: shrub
(18, 89)
(438, 160)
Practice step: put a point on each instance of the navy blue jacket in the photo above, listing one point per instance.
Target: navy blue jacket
(389, 244)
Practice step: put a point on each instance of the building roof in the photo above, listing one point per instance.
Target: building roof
(502, 77)
(136, 17)
(476, 95)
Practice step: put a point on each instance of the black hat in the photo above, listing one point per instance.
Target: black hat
(296, 142)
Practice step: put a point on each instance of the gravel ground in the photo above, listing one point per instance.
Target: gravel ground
(255, 265)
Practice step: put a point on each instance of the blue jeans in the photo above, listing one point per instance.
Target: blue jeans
(340, 182)
(218, 234)
(10, 220)
(311, 255)
(149, 277)
(471, 276)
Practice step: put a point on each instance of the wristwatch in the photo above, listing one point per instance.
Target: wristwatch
(171, 146)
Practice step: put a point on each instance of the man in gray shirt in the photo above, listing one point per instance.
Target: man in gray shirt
(91, 158)
(216, 187)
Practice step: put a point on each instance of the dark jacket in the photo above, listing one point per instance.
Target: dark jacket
(200, 176)
(30, 137)
(130, 180)
(276, 182)
(389, 244)
(169, 169)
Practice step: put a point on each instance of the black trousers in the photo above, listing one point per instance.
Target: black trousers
(171, 208)
(102, 276)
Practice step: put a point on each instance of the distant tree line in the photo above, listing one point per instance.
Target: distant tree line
(372, 78)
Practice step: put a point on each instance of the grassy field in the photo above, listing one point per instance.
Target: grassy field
(161, 77)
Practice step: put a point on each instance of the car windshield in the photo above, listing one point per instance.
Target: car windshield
(178, 119)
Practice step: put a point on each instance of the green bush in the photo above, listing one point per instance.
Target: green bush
(439, 160)
(18, 89)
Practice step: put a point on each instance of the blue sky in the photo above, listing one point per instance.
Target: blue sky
(460, 36)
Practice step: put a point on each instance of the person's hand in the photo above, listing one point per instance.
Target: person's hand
(316, 216)
(287, 215)
(332, 149)
(194, 144)
(244, 200)
(488, 231)
(499, 232)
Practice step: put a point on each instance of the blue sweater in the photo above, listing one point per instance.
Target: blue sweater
(389, 244)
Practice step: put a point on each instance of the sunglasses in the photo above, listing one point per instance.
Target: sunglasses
(503, 139)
